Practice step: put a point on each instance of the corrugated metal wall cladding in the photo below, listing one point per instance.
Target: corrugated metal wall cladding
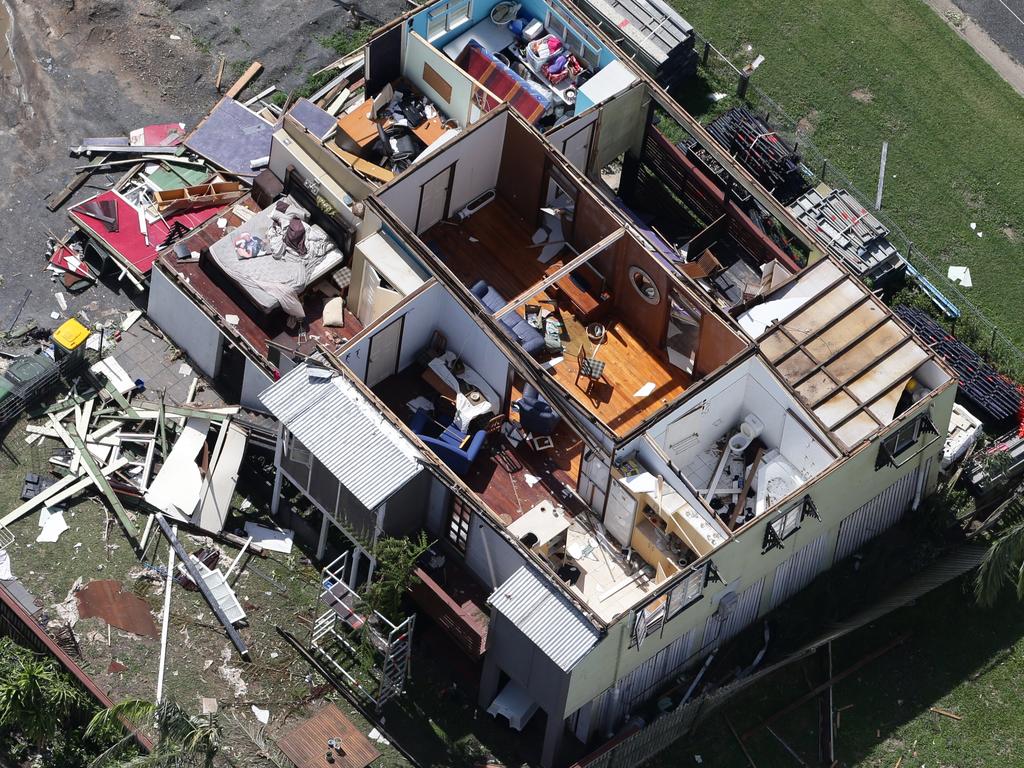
(877, 515)
(333, 420)
(547, 618)
(799, 570)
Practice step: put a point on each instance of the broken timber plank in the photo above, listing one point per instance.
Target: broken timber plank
(100, 479)
(76, 183)
(194, 574)
(254, 69)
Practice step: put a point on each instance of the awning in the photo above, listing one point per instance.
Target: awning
(344, 431)
(515, 704)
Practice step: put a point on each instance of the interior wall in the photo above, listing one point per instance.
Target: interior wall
(647, 321)
(294, 145)
(656, 465)
(591, 222)
(623, 125)
(476, 156)
(185, 323)
(716, 345)
(418, 54)
(521, 175)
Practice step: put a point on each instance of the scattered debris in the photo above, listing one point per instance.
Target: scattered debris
(945, 713)
(961, 275)
(263, 715)
(274, 540)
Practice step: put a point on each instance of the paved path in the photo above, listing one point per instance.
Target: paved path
(994, 28)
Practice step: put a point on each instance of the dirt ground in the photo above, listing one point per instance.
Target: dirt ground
(80, 68)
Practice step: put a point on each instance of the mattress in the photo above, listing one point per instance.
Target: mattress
(488, 35)
(267, 280)
(529, 99)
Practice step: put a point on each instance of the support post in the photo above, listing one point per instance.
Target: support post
(744, 83)
(707, 53)
(321, 546)
(275, 499)
(826, 703)
(166, 619)
(881, 176)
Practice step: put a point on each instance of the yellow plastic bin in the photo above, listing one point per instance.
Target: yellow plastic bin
(69, 340)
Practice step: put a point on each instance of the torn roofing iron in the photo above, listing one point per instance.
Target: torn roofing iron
(344, 431)
(537, 609)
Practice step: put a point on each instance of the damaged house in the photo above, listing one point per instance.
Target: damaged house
(500, 306)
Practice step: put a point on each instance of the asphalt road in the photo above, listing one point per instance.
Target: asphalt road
(1002, 20)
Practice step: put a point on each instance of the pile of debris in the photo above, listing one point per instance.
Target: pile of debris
(852, 232)
(994, 395)
(758, 148)
(165, 464)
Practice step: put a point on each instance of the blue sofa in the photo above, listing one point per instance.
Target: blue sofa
(529, 338)
(448, 445)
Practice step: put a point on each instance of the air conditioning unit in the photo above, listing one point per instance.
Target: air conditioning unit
(726, 604)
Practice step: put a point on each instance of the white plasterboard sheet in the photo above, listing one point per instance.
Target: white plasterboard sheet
(270, 538)
(176, 488)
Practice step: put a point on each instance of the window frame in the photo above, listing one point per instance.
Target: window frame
(576, 38)
(296, 452)
(792, 520)
(443, 18)
(889, 449)
(699, 576)
(457, 523)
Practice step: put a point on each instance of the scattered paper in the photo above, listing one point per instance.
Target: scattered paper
(5, 566)
(222, 222)
(52, 528)
(245, 505)
(263, 715)
(55, 315)
(175, 37)
(531, 480)
(269, 538)
(419, 403)
(61, 301)
(185, 369)
(645, 390)
(979, 234)
(974, 225)
(231, 319)
(375, 735)
(552, 362)
(961, 275)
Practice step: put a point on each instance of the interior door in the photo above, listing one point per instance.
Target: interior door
(434, 196)
(384, 348)
(683, 334)
(576, 148)
(620, 514)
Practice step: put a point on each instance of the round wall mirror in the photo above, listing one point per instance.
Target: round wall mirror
(644, 285)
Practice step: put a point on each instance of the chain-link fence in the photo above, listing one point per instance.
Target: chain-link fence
(721, 85)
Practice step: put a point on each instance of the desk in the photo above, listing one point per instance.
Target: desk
(356, 130)
(590, 304)
(543, 521)
(430, 131)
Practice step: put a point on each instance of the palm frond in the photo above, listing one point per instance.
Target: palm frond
(999, 566)
(134, 712)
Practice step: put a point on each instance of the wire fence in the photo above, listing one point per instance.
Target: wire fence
(728, 86)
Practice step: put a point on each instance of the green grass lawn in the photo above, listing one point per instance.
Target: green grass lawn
(861, 72)
(959, 658)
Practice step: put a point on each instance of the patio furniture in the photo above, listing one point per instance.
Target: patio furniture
(706, 267)
(589, 368)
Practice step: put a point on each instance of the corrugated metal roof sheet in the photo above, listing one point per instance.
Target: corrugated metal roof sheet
(545, 616)
(345, 431)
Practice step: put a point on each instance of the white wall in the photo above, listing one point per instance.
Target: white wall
(476, 155)
(419, 52)
(490, 556)
(187, 326)
(254, 381)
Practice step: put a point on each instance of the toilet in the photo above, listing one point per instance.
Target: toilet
(750, 427)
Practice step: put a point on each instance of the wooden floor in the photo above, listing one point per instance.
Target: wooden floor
(503, 254)
(503, 258)
(498, 475)
(629, 365)
(257, 330)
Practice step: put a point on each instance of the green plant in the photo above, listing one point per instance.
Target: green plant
(181, 738)
(37, 697)
(344, 41)
(396, 563)
(202, 44)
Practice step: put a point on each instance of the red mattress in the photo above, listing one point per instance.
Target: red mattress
(501, 81)
(128, 242)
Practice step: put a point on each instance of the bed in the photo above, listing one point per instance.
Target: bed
(488, 35)
(270, 282)
(529, 99)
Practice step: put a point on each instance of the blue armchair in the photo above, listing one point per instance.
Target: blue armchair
(536, 416)
(529, 338)
(448, 446)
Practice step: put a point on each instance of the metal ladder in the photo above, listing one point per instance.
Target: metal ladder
(395, 668)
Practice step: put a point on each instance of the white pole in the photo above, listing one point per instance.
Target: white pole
(166, 621)
(881, 176)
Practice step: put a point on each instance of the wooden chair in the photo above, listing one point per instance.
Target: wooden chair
(706, 267)
(589, 368)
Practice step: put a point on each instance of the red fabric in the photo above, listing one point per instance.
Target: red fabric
(128, 242)
(501, 83)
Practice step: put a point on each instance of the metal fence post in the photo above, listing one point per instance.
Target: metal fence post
(707, 53)
(741, 88)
